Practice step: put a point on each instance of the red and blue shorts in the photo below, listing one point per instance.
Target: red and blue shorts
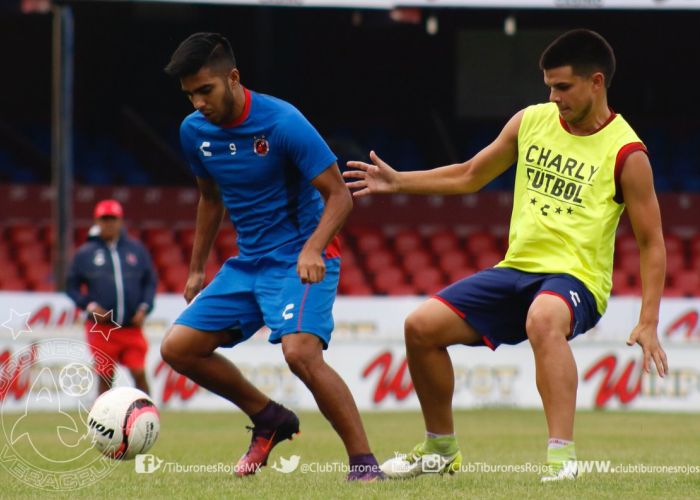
(496, 301)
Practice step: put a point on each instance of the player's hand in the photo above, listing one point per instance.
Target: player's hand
(372, 179)
(646, 337)
(310, 266)
(98, 314)
(194, 285)
(138, 318)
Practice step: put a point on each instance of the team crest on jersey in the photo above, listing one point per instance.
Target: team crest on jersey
(99, 258)
(261, 146)
(131, 259)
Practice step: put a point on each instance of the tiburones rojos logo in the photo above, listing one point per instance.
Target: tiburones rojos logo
(44, 445)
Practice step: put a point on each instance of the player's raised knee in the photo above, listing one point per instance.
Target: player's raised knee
(418, 330)
(543, 325)
(173, 351)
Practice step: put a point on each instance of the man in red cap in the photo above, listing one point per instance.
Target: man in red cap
(113, 279)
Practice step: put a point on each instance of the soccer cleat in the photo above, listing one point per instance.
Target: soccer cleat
(561, 471)
(262, 442)
(420, 461)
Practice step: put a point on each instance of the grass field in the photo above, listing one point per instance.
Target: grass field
(505, 437)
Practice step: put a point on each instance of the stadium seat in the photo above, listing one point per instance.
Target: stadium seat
(675, 262)
(487, 260)
(167, 256)
(453, 259)
(457, 274)
(688, 281)
(416, 260)
(13, 284)
(629, 263)
(428, 281)
(22, 234)
(31, 253)
(674, 244)
(406, 241)
(156, 238)
(626, 243)
(175, 277)
(352, 279)
(443, 241)
(481, 242)
(378, 260)
(388, 278)
(370, 242)
(401, 289)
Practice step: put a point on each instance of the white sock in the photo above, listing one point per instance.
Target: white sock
(432, 435)
(555, 443)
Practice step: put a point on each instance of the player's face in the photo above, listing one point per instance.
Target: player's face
(110, 227)
(211, 93)
(573, 94)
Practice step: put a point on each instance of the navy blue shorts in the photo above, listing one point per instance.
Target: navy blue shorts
(495, 302)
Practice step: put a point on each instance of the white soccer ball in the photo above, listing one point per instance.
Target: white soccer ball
(123, 422)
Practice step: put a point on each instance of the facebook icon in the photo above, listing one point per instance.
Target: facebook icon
(147, 464)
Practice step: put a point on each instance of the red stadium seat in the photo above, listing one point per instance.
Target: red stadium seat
(30, 254)
(402, 289)
(81, 235)
(352, 278)
(674, 244)
(23, 234)
(416, 260)
(388, 278)
(176, 277)
(457, 274)
(443, 241)
(378, 260)
(406, 241)
(357, 289)
(688, 281)
(428, 281)
(370, 242)
(167, 256)
(453, 259)
(481, 242)
(629, 263)
(675, 262)
(487, 260)
(14, 284)
(156, 238)
(626, 243)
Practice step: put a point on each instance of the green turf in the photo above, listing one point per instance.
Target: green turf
(489, 436)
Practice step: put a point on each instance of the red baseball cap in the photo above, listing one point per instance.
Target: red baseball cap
(109, 208)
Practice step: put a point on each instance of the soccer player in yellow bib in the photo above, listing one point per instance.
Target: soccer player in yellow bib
(579, 164)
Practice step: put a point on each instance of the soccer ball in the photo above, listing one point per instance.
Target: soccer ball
(123, 422)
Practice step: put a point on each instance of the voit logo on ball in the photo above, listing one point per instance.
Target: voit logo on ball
(46, 438)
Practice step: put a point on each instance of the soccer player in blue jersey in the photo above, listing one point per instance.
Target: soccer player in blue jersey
(259, 157)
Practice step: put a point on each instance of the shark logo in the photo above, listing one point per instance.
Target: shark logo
(50, 454)
(287, 465)
(45, 392)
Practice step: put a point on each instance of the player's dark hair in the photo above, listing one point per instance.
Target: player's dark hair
(584, 50)
(199, 50)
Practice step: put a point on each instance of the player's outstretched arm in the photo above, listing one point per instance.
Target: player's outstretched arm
(210, 211)
(468, 177)
(637, 186)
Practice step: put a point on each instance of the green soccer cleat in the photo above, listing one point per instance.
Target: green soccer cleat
(421, 461)
(562, 464)
(561, 471)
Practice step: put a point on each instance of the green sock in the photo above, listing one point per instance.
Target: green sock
(445, 445)
(557, 457)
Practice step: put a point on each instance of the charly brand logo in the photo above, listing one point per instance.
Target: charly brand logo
(51, 451)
